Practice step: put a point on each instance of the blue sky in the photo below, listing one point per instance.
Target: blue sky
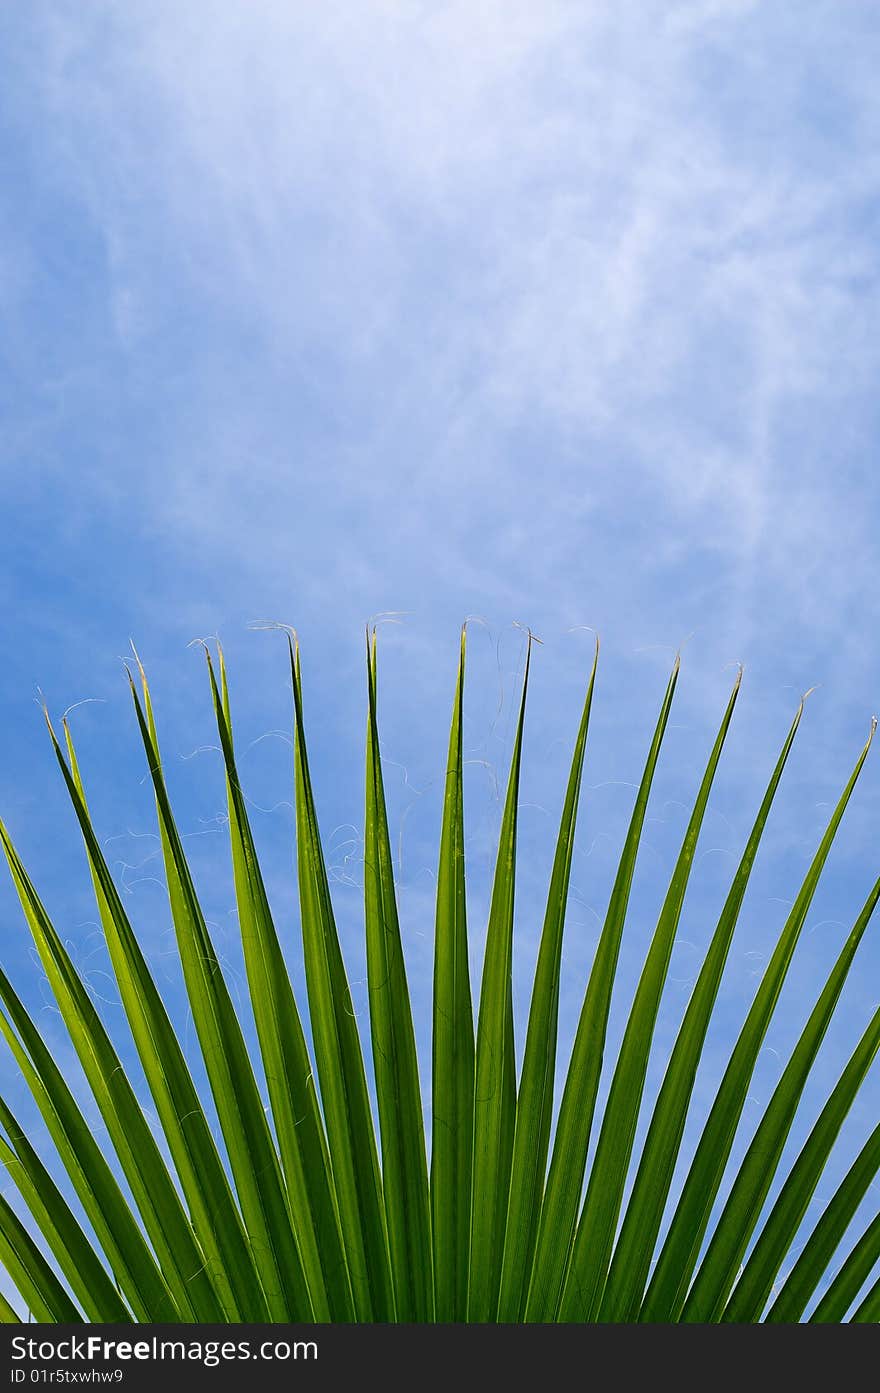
(559, 314)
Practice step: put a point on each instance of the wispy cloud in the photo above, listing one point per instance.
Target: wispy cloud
(495, 268)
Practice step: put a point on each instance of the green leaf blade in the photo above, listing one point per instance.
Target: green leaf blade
(8, 1314)
(845, 1288)
(667, 1292)
(253, 1159)
(339, 1058)
(868, 1310)
(132, 1262)
(595, 1236)
(36, 1282)
(495, 1067)
(89, 1282)
(535, 1099)
(754, 1285)
(817, 1252)
(779, 1233)
(721, 1264)
(453, 1051)
(216, 1219)
(568, 1162)
(288, 1068)
(641, 1224)
(404, 1162)
(158, 1202)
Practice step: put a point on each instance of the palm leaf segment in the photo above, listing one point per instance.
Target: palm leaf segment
(301, 1209)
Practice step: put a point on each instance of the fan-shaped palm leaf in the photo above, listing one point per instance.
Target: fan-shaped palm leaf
(301, 1210)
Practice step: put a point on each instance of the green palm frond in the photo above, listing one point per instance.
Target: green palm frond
(302, 1209)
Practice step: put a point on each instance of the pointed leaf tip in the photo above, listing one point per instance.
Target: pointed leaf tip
(140, 666)
(531, 637)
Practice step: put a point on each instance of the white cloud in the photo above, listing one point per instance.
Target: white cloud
(531, 274)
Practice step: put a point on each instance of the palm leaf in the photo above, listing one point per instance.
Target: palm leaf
(8, 1314)
(253, 1158)
(641, 1224)
(868, 1309)
(216, 1219)
(289, 1073)
(846, 1286)
(405, 1179)
(822, 1243)
(495, 1068)
(165, 1219)
(45, 1296)
(294, 1212)
(535, 1099)
(569, 1159)
(592, 1249)
(668, 1289)
(339, 1058)
(721, 1264)
(88, 1279)
(452, 1095)
(754, 1286)
(133, 1265)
